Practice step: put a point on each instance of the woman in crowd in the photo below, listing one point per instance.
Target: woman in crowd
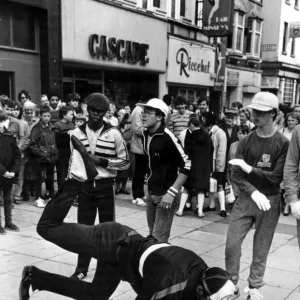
(191, 107)
(124, 126)
(198, 146)
(245, 117)
(290, 122)
(243, 131)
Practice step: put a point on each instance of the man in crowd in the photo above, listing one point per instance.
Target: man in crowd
(155, 271)
(108, 151)
(23, 96)
(45, 101)
(140, 159)
(291, 176)
(257, 171)
(73, 101)
(62, 136)
(44, 153)
(203, 106)
(165, 156)
(55, 105)
(179, 119)
(219, 140)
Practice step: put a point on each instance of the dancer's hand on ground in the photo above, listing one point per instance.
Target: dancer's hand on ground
(167, 201)
(261, 201)
(242, 164)
(295, 208)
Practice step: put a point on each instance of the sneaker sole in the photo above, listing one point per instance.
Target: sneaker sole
(16, 230)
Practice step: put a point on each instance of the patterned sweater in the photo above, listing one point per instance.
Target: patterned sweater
(110, 145)
(179, 122)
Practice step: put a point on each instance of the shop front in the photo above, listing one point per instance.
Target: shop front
(242, 85)
(191, 66)
(118, 52)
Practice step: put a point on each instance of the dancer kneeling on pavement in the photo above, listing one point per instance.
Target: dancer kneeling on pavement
(198, 146)
(154, 270)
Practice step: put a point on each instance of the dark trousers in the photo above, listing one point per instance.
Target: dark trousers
(94, 196)
(41, 169)
(138, 180)
(6, 188)
(62, 167)
(100, 241)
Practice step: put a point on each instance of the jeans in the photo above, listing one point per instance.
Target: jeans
(159, 219)
(62, 167)
(19, 182)
(92, 197)
(138, 179)
(49, 169)
(101, 242)
(244, 215)
(7, 189)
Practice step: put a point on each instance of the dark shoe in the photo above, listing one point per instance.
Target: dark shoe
(25, 284)
(123, 191)
(223, 214)
(75, 203)
(78, 275)
(208, 209)
(2, 231)
(11, 227)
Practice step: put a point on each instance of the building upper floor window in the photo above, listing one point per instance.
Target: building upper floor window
(236, 41)
(152, 4)
(199, 13)
(18, 27)
(293, 47)
(285, 37)
(253, 37)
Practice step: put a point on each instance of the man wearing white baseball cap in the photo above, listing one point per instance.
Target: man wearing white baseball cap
(166, 156)
(257, 171)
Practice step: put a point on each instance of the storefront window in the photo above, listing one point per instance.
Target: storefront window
(6, 84)
(288, 90)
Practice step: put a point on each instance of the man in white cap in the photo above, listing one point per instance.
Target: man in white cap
(257, 171)
(166, 156)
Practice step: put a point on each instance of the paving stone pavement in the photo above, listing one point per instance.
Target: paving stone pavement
(205, 236)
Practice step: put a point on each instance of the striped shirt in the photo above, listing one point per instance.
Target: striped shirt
(179, 122)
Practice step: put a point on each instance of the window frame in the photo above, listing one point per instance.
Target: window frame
(11, 32)
(293, 48)
(285, 38)
(235, 31)
(199, 14)
(296, 4)
(254, 33)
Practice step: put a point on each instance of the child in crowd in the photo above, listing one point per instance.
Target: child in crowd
(80, 119)
(43, 148)
(9, 168)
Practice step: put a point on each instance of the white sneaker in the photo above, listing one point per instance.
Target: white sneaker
(178, 213)
(40, 203)
(140, 202)
(253, 294)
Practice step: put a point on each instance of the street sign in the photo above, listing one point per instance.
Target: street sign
(295, 30)
(217, 17)
(220, 67)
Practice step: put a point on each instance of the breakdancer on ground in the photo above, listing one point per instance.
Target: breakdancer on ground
(154, 270)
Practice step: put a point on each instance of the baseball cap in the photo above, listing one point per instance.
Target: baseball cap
(264, 101)
(156, 104)
(217, 283)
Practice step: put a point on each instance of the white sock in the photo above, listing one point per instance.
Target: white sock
(212, 203)
(221, 197)
(183, 200)
(200, 199)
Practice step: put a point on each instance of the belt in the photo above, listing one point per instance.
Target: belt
(147, 253)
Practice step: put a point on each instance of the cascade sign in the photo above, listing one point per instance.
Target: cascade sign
(218, 17)
(122, 50)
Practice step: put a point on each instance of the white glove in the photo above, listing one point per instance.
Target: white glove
(261, 201)
(241, 163)
(295, 208)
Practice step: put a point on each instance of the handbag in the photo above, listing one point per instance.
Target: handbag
(213, 185)
(229, 195)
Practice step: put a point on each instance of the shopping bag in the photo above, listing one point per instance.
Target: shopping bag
(229, 195)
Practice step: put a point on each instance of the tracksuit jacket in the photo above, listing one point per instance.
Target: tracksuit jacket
(165, 157)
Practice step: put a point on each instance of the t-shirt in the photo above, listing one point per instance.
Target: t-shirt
(267, 158)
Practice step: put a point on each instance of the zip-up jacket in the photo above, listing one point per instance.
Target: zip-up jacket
(10, 156)
(111, 148)
(165, 157)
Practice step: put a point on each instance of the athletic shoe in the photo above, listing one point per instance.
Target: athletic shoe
(253, 294)
(40, 203)
(208, 209)
(178, 213)
(2, 231)
(11, 227)
(24, 289)
(223, 214)
(140, 202)
(78, 275)
(201, 215)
